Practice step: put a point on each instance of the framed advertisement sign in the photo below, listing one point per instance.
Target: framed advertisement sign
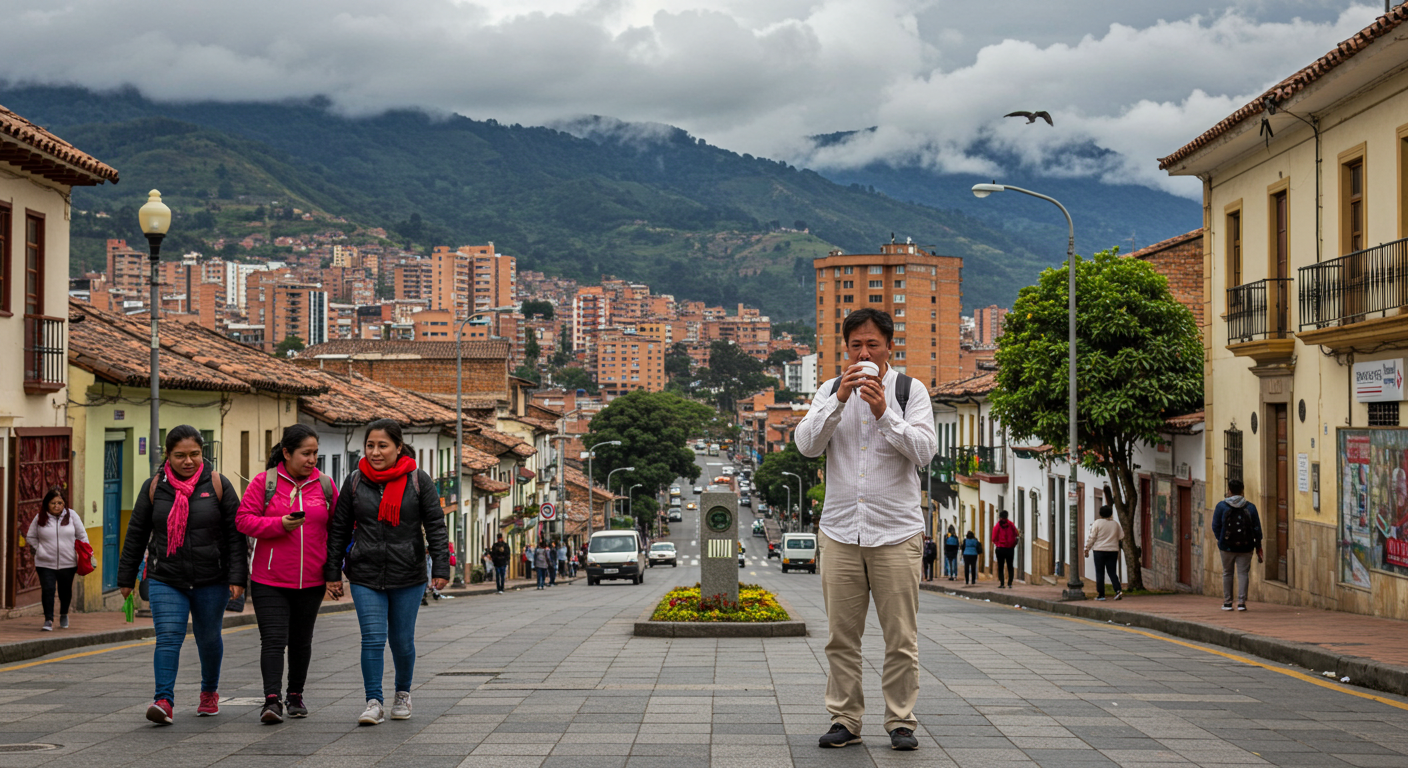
(1373, 503)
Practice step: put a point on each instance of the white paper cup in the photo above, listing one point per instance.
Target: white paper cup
(869, 369)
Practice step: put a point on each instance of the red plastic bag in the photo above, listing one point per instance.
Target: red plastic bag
(84, 553)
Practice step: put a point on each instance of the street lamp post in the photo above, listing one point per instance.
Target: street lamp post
(591, 484)
(155, 218)
(459, 444)
(631, 502)
(801, 497)
(1075, 589)
(787, 510)
(608, 483)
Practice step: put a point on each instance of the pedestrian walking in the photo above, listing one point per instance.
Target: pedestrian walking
(552, 563)
(875, 425)
(387, 517)
(1237, 526)
(53, 535)
(183, 523)
(499, 554)
(951, 545)
(1104, 539)
(931, 553)
(1004, 547)
(542, 563)
(286, 509)
(562, 558)
(972, 548)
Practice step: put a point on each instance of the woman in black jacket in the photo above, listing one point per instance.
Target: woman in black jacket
(388, 512)
(184, 523)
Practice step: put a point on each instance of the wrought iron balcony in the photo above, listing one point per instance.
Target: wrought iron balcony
(977, 459)
(445, 486)
(44, 360)
(1363, 284)
(1259, 309)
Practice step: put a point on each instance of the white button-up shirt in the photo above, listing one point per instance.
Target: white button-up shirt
(872, 479)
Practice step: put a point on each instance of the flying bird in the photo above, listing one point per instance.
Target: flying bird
(1032, 117)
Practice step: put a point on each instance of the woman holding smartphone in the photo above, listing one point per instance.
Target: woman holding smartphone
(286, 509)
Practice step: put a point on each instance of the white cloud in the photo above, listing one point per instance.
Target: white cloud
(752, 75)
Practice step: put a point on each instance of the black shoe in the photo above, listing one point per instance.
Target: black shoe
(838, 736)
(294, 703)
(903, 738)
(273, 711)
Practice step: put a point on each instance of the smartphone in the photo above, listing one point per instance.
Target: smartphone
(297, 515)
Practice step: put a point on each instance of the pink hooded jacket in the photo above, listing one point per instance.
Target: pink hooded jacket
(282, 558)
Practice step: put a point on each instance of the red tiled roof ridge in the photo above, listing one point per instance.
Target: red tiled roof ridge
(1163, 244)
(977, 384)
(425, 350)
(1296, 83)
(36, 137)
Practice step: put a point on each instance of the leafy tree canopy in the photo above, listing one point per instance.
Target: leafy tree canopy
(733, 374)
(543, 309)
(573, 377)
(289, 344)
(653, 428)
(782, 356)
(1139, 361)
(531, 350)
(528, 372)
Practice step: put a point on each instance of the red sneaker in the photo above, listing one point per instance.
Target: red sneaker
(209, 704)
(160, 712)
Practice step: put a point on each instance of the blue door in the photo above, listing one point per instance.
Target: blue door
(112, 510)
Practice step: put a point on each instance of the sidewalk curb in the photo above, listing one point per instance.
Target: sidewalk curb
(1363, 672)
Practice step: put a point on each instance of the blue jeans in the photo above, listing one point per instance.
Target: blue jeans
(171, 606)
(951, 566)
(387, 614)
(500, 572)
(542, 576)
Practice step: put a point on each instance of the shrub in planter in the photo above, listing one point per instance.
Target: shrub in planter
(685, 604)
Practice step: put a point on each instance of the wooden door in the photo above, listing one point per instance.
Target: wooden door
(1282, 491)
(1278, 297)
(40, 461)
(1185, 534)
(112, 511)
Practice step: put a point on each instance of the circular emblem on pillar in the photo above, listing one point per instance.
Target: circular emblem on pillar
(719, 519)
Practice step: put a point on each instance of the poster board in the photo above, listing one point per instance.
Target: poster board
(1373, 508)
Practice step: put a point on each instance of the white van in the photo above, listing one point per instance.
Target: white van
(615, 555)
(798, 552)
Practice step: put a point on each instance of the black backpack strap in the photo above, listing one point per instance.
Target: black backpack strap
(902, 391)
(271, 481)
(326, 482)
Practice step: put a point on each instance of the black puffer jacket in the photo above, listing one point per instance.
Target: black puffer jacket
(214, 551)
(385, 556)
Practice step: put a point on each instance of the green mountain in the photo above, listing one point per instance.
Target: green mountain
(648, 203)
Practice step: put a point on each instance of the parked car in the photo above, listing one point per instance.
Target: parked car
(615, 555)
(798, 552)
(663, 553)
(745, 501)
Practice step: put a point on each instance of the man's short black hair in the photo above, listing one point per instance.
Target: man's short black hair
(860, 317)
(1236, 487)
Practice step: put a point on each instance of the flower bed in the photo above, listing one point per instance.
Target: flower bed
(755, 604)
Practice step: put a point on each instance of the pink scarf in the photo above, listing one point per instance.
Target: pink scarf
(180, 509)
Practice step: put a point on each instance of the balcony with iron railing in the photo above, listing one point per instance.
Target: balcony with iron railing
(44, 358)
(1258, 320)
(978, 462)
(1356, 302)
(445, 487)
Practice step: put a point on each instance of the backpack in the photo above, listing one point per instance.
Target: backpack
(214, 480)
(271, 481)
(1237, 532)
(901, 389)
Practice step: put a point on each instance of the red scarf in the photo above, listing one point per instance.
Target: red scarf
(180, 508)
(394, 478)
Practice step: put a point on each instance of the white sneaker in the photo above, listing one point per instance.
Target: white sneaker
(373, 714)
(401, 709)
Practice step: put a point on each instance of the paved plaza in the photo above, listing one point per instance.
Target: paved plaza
(555, 678)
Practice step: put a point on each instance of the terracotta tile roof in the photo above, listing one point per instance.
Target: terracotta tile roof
(492, 441)
(422, 350)
(973, 386)
(543, 412)
(475, 460)
(468, 404)
(355, 401)
(489, 485)
(578, 480)
(1296, 83)
(32, 148)
(106, 346)
(242, 361)
(539, 424)
(1186, 421)
(1149, 250)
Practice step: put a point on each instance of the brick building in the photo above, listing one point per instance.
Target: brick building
(1180, 259)
(127, 268)
(987, 325)
(591, 312)
(427, 367)
(629, 361)
(922, 291)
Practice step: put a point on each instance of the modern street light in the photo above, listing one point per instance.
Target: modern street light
(591, 484)
(608, 483)
(1075, 589)
(459, 445)
(787, 510)
(801, 498)
(155, 218)
(631, 501)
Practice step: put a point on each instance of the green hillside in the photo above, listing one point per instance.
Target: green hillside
(691, 219)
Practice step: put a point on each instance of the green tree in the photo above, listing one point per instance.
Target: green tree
(563, 355)
(531, 350)
(573, 377)
(781, 356)
(1139, 360)
(288, 345)
(776, 488)
(528, 372)
(733, 374)
(801, 331)
(653, 428)
(644, 507)
(543, 309)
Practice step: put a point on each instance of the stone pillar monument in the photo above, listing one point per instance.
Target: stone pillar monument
(718, 545)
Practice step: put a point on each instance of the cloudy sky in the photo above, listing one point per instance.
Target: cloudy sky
(1137, 78)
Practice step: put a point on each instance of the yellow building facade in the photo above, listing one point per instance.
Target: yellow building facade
(1305, 205)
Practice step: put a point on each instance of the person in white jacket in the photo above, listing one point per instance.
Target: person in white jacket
(51, 535)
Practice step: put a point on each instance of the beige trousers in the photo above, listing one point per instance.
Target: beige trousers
(850, 576)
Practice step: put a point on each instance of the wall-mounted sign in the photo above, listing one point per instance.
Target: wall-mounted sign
(547, 511)
(1379, 381)
(119, 415)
